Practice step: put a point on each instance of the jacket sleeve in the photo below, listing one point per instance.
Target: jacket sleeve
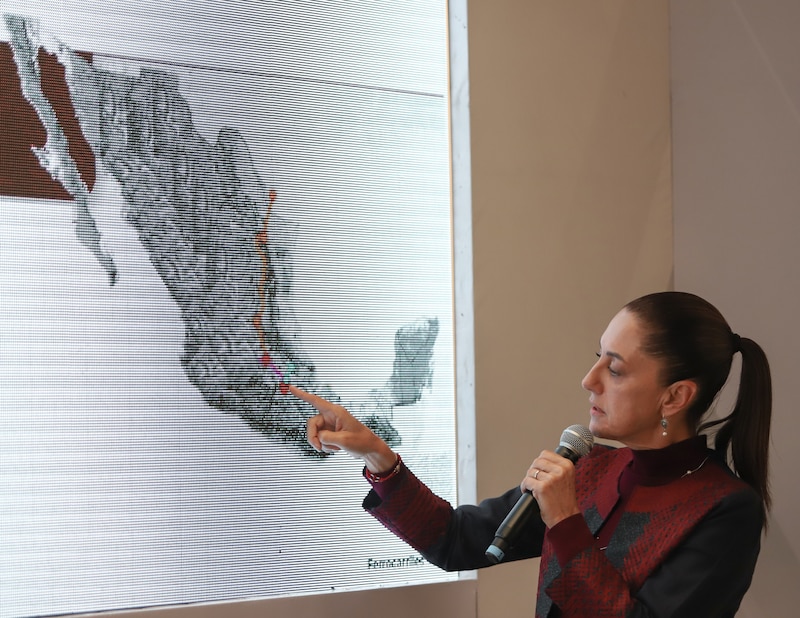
(452, 539)
(706, 575)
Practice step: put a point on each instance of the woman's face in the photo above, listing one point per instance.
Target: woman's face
(625, 387)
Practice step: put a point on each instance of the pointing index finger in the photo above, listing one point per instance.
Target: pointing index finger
(301, 394)
(322, 405)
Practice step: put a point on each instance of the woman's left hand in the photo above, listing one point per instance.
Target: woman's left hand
(551, 480)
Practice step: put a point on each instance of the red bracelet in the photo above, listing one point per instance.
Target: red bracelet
(380, 477)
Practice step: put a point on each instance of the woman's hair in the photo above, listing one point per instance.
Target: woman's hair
(694, 342)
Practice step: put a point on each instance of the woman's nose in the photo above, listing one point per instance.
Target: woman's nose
(590, 382)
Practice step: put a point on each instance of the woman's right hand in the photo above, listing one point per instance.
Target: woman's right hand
(334, 428)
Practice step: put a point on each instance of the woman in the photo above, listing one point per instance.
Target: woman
(661, 527)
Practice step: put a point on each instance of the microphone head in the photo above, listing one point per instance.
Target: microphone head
(578, 440)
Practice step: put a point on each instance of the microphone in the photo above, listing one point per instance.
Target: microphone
(576, 441)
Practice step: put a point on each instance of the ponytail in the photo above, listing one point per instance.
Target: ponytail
(743, 435)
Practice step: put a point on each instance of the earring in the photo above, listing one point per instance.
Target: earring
(664, 426)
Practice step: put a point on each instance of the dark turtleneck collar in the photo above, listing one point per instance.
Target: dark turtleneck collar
(655, 467)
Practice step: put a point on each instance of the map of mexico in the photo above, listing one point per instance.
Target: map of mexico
(196, 207)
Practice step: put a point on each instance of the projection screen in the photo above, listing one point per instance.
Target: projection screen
(203, 203)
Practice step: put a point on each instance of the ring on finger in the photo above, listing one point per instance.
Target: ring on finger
(536, 474)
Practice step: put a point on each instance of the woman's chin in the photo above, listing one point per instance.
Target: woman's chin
(597, 427)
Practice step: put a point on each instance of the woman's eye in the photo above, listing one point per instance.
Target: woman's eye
(613, 372)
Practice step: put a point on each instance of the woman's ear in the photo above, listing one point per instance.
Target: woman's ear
(678, 397)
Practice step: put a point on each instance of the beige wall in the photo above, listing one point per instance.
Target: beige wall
(571, 190)
(736, 137)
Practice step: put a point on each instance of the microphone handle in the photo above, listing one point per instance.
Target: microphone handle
(515, 520)
(519, 515)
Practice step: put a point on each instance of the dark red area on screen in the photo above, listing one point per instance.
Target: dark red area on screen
(20, 128)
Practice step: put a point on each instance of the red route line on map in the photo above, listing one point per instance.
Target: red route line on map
(260, 240)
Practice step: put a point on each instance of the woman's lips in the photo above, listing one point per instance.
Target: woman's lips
(595, 411)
